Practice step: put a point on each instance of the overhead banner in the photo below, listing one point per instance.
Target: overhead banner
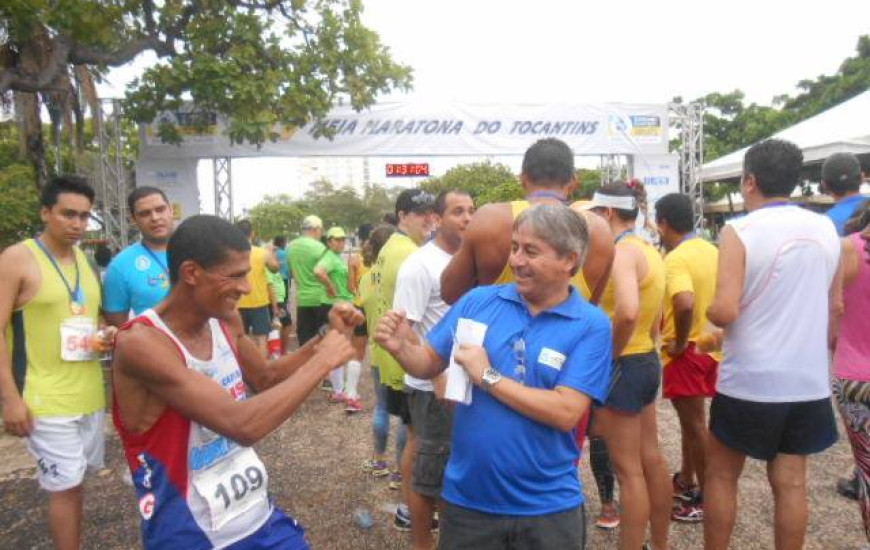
(410, 129)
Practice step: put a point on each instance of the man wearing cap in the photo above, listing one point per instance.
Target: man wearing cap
(414, 210)
(255, 306)
(841, 178)
(547, 178)
(304, 252)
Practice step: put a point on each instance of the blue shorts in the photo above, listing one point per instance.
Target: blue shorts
(634, 383)
(257, 320)
(280, 532)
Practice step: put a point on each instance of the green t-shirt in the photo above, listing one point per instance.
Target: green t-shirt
(277, 282)
(336, 270)
(304, 253)
(391, 257)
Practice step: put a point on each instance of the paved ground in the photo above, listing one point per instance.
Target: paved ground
(314, 469)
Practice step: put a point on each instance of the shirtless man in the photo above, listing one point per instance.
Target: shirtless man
(547, 177)
(180, 375)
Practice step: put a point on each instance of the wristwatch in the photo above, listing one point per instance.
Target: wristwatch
(489, 379)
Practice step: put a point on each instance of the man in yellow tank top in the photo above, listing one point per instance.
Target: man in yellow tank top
(547, 177)
(51, 381)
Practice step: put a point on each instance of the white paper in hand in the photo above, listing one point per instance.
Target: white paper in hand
(458, 384)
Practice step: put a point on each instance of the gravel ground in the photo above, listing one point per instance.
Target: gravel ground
(314, 466)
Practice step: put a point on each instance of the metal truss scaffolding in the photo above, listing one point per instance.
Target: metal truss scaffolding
(223, 187)
(613, 169)
(111, 204)
(688, 119)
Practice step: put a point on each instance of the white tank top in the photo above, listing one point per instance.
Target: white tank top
(777, 349)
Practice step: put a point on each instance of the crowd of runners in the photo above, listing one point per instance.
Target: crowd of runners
(499, 339)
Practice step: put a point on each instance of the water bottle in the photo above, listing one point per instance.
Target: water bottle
(273, 342)
(362, 518)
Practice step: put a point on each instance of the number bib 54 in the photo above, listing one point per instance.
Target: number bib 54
(232, 486)
(77, 335)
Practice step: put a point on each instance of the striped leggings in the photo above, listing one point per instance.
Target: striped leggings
(853, 399)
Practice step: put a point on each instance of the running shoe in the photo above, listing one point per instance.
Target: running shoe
(436, 523)
(337, 398)
(848, 487)
(326, 385)
(688, 512)
(353, 405)
(607, 519)
(683, 491)
(378, 468)
(402, 519)
(395, 481)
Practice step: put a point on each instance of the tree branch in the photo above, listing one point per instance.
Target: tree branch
(87, 55)
(13, 78)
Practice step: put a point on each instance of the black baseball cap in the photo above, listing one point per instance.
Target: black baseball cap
(415, 200)
(842, 170)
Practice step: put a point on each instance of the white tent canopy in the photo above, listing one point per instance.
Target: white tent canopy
(844, 128)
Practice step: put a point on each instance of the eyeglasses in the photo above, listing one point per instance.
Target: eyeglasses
(520, 357)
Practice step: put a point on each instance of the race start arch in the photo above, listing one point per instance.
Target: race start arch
(629, 138)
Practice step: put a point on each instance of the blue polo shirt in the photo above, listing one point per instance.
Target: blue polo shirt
(136, 279)
(501, 461)
(281, 256)
(843, 210)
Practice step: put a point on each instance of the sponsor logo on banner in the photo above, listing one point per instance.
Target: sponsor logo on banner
(639, 128)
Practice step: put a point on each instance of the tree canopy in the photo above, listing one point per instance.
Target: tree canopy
(258, 62)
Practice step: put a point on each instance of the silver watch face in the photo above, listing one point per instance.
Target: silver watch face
(491, 376)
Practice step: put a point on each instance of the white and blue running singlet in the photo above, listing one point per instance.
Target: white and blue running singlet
(198, 489)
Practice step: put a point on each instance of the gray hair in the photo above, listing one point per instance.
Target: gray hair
(560, 227)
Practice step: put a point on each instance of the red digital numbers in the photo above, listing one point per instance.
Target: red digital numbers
(408, 169)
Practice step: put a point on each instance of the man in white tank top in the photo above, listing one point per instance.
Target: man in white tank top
(777, 268)
(180, 378)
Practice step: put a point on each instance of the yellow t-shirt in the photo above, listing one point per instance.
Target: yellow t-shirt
(391, 257)
(690, 267)
(652, 291)
(259, 294)
(507, 274)
(52, 386)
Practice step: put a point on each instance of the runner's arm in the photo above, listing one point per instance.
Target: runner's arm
(272, 263)
(143, 355)
(17, 419)
(725, 308)
(626, 297)
(262, 374)
(684, 307)
(836, 306)
(460, 275)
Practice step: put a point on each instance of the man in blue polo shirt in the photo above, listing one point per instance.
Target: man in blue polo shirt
(138, 278)
(841, 178)
(511, 481)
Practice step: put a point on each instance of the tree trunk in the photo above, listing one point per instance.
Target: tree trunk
(30, 135)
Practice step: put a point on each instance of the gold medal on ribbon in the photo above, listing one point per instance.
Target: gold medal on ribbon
(76, 308)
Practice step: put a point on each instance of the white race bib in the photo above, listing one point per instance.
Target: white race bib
(232, 486)
(77, 336)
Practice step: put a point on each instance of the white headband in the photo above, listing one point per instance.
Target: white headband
(612, 201)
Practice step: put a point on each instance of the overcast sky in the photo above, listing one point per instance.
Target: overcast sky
(585, 52)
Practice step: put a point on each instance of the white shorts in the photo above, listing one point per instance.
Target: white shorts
(65, 447)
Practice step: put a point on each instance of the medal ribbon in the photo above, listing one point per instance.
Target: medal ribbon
(157, 259)
(75, 294)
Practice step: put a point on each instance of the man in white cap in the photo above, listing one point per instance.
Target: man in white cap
(304, 252)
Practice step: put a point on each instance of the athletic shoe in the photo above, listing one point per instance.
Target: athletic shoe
(689, 512)
(848, 487)
(683, 491)
(395, 481)
(378, 468)
(326, 385)
(608, 520)
(353, 406)
(436, 523)
(402, 519)
(337, 398)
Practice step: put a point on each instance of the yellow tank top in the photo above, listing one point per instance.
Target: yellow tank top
(507, 274)
(259, 294)
(652, 293)
(52, 386)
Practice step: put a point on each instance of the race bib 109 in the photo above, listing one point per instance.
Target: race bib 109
(232, 486)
